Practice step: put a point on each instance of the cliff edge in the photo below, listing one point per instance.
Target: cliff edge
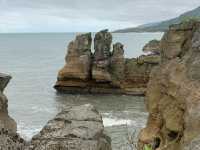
(173, 93)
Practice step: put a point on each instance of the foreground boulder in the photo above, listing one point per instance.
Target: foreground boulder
(105, 71)
(173, 94)
(76, 128)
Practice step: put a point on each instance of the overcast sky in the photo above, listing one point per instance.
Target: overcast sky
(86, 15)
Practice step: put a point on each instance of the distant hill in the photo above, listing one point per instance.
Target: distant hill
(164, 25)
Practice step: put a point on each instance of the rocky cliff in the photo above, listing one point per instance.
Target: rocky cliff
(9, 139)
(103, 71)
(173, 94)
(6, 121)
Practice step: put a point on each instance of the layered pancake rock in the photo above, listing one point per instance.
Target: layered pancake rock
(6, 121)
(103, 71)
(173, 94)
(9, 139)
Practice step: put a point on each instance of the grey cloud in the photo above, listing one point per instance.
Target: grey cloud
(109, 12)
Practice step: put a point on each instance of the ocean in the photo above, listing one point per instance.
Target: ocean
(33, 61)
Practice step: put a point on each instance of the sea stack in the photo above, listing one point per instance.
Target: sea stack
(105, 71)
(173, 93)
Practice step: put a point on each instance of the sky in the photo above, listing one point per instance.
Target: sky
(86, 15)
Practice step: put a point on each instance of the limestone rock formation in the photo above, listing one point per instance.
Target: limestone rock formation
(105, 71)
(152, 47)
(117, 64)
(76, 128)
(173, 95)
(136, 76)
(78, 59)
(6, 121)
(9, 139)
(101, 64)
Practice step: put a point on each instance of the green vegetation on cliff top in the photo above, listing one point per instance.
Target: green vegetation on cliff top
(164, 25)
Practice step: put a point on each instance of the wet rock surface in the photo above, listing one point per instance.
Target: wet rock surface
(173, 98)
(108, 71)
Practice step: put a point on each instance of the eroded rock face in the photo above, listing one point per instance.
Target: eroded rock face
(78, 59)
(101, 64)
(6, 121)
(136, 76)
(76, 128)
(9, 139)
(103, 72)
(173, 95)
(117, 63)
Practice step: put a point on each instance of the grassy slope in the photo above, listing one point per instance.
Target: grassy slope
(162, 26)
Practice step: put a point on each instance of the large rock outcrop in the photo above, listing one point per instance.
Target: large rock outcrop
(106, 71)
(173, 94)
(76, 128)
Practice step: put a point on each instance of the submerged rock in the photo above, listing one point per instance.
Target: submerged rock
(76, 128)
(104, 71)
(173, 95)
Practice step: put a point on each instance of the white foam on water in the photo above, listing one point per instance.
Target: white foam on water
(27, 132)
(39, 109)
(108, 122)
